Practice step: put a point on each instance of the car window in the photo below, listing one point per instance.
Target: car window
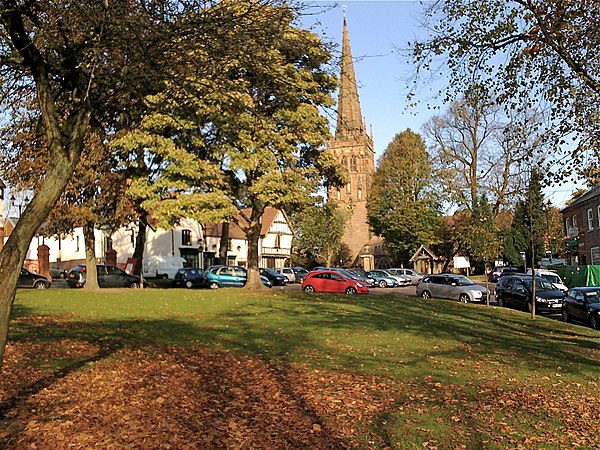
(541, 284)
(335, 277)
(101, 270)
(464, 281)
(426, 280)
(592, 297)
(239, 271)
(436, 280)
(227, 271)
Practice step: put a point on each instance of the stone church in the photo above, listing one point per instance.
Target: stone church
(353, 148)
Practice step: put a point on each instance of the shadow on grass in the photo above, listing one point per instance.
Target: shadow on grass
(300, 324)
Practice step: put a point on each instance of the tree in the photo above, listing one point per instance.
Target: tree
(530, 52)
(255, 141)
(528, 229)
(402, 206)
(319, 233)
(476, 152)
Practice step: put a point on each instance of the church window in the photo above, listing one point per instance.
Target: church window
(353, 164)
(348, 187)
(339, 195)
(344, 162)
(359, 193)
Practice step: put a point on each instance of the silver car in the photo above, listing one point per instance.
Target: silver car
(414, 276)
(454, 287)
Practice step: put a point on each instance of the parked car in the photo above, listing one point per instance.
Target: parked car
(582, 304)
(287, 272)
(516, 290)
(275, 278)
(332, 281)
(382, 279)
(499, 271)
(401, 280)
(57, 272)
(162, 267)
(552, 277)
(300, 273)
(229, 276)
(190, 277)
(108, 277)
(413, 275)
(450, 286)
(28, 279)
(358, 274)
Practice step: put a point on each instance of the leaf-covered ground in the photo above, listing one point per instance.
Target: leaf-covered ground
(81, 392)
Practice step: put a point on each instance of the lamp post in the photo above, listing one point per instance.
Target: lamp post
(19, 205)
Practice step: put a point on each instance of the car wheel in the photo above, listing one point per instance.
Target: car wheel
(134, 285)
(565, 316)
(594, 323)
(188, 284)
(40, 285)
(308, 288)
(350, 290)
(382, 284)
(464, 298)
(214, 285)
(426, 295)
(499, 300)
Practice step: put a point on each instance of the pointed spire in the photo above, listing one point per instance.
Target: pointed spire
(349, 119)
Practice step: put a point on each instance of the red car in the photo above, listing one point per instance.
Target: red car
(330, 281)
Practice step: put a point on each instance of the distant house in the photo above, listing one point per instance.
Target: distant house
(581, 219)
(426, 261)
(197, 243)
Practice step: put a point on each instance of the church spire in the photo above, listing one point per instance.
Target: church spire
(349, 119)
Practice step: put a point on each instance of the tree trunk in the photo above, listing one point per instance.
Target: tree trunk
(252, 231)
(61, 165)
(91, 271)
(140, 244)
(224, 244)
(65, 132)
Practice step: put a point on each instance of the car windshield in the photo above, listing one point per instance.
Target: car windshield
(463, 281)
(551, 278)
(541, 284)
(593, 296)
(270, 272)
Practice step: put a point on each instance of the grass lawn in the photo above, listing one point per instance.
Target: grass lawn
(231, 369)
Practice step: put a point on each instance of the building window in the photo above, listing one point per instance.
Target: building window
(574, 220)
(76, 243)
(595, 254)
(278, 240)
(186, 237)
(348, 188)
(567, 224)
(339, 195)
(590, 218)
(598, 216)
(345, 162)
(359, 193)
(353, 164)
(230, 245)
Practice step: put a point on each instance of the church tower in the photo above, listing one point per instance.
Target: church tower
(353, 149)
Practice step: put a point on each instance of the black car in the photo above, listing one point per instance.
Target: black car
(33, 280)
(300, 273)
(58, 273)
(277, 279)
(582, 304)
(500, 271)
(108, 277)
(516, 290)
(189, 277)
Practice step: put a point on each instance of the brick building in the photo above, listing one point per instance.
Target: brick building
(353, 148)
(581, 219)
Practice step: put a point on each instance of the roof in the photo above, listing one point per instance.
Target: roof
(589, 195)
(235, 232)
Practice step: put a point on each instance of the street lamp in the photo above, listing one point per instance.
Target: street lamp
(20, 205)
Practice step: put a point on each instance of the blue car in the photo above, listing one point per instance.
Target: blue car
(229, 276)
(189, 277)
(382, 279)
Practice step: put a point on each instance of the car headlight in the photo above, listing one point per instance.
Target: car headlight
(541, 300)
(360, 285)
(477, 294)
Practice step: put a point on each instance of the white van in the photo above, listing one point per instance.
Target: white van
(162, 266)
(552, 277)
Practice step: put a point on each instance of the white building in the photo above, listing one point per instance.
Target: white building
(198, 244)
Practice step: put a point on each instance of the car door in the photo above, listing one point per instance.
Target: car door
(103, 279)
(577, 310)
(518, 294)
(115, 277)
(436, 284)
(334, 283)
(240, 275)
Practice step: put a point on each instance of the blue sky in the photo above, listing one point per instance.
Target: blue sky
(378, 29)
